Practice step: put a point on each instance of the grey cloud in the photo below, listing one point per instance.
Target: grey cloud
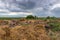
(56, 11)
(31, 6)
(26, 5)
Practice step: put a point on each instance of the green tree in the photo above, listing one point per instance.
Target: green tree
(30, 17)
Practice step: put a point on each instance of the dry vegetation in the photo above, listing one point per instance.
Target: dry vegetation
(26, 30)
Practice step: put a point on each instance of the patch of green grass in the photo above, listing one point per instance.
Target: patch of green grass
(55, 26)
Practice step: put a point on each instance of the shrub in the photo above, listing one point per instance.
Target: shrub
(51, 18)
(30, 17)
(55, 26)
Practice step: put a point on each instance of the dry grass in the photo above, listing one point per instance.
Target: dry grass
(34, 31)
(23, 33)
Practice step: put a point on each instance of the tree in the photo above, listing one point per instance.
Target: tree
(35, 17)
(30, 17)
(48, 17)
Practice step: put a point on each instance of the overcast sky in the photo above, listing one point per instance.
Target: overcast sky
(21, 8)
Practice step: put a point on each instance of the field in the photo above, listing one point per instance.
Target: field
(30, 29)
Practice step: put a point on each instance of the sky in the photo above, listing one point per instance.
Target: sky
(22, 8)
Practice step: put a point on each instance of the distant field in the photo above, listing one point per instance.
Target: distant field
(9, 18)
(31, 17)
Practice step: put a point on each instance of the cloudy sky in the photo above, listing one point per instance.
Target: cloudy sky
(22, 8)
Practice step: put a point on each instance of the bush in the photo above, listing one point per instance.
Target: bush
(30, 17)
(55, 26)
(51, 18)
